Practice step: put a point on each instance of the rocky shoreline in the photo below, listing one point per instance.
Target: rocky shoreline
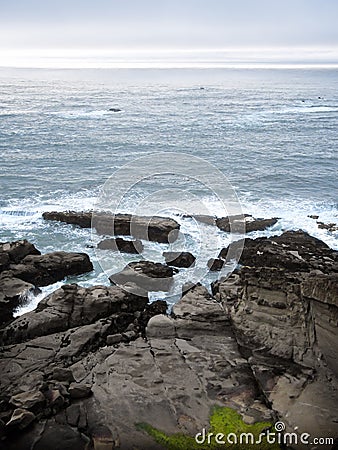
(88, 365)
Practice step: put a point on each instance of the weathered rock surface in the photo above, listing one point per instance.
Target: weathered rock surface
(23, 269)
(293, 250)
(42, 270)
(122, 245)
(145, 276)
(263, 344)
(244, 223)
(158, 229)
(179, 259)
(283, 308)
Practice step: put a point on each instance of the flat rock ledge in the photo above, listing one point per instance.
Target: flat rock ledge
(158, 229)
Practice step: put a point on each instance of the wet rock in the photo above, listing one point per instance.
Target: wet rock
(313, 216)
(158, 229)
(328, 226)
(18, 250)
(13, 293)
(293, 250)
(179, 259)
(244, 223)
(114, 109)
(79, 390)
(122, 245)
(82, 219)
(146, 276)
(43, 270)
(21, 419)
(216, 264)
(55, 398)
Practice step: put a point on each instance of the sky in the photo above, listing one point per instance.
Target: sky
(139, 28)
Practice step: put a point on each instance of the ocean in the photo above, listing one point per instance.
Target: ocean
(272, 133)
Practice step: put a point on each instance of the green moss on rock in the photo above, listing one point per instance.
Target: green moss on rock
(222, 420)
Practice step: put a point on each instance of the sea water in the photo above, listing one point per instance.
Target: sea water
(272, 134)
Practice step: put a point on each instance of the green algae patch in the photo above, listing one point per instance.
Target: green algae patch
(225, 423)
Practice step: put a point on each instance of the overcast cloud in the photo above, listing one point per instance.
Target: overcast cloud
(167, 24)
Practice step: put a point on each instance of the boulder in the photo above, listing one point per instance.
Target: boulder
(145, 276)
(179, 259)
(122, 245)
(43, 270)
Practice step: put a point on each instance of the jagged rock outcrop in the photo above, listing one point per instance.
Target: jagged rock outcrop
(23, 269)
(264, 344)
(283, 309)
(158, 229)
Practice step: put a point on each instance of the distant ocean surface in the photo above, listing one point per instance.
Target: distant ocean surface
(273, 133)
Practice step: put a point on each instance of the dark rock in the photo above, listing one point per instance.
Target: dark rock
(63, 374)
(313, 216)
(158, 229)
(145, 276)
(17, 250)
(328, 226)
(43, 270)
(179, 259)
(293, 250)
(216, 264)
(13, 293)
(55, 398)
(21, 419)
(69, 307)
(82, 219)
(114, 109)
(79, 390)
(122, 245)
(244, 223)
(203, 218)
